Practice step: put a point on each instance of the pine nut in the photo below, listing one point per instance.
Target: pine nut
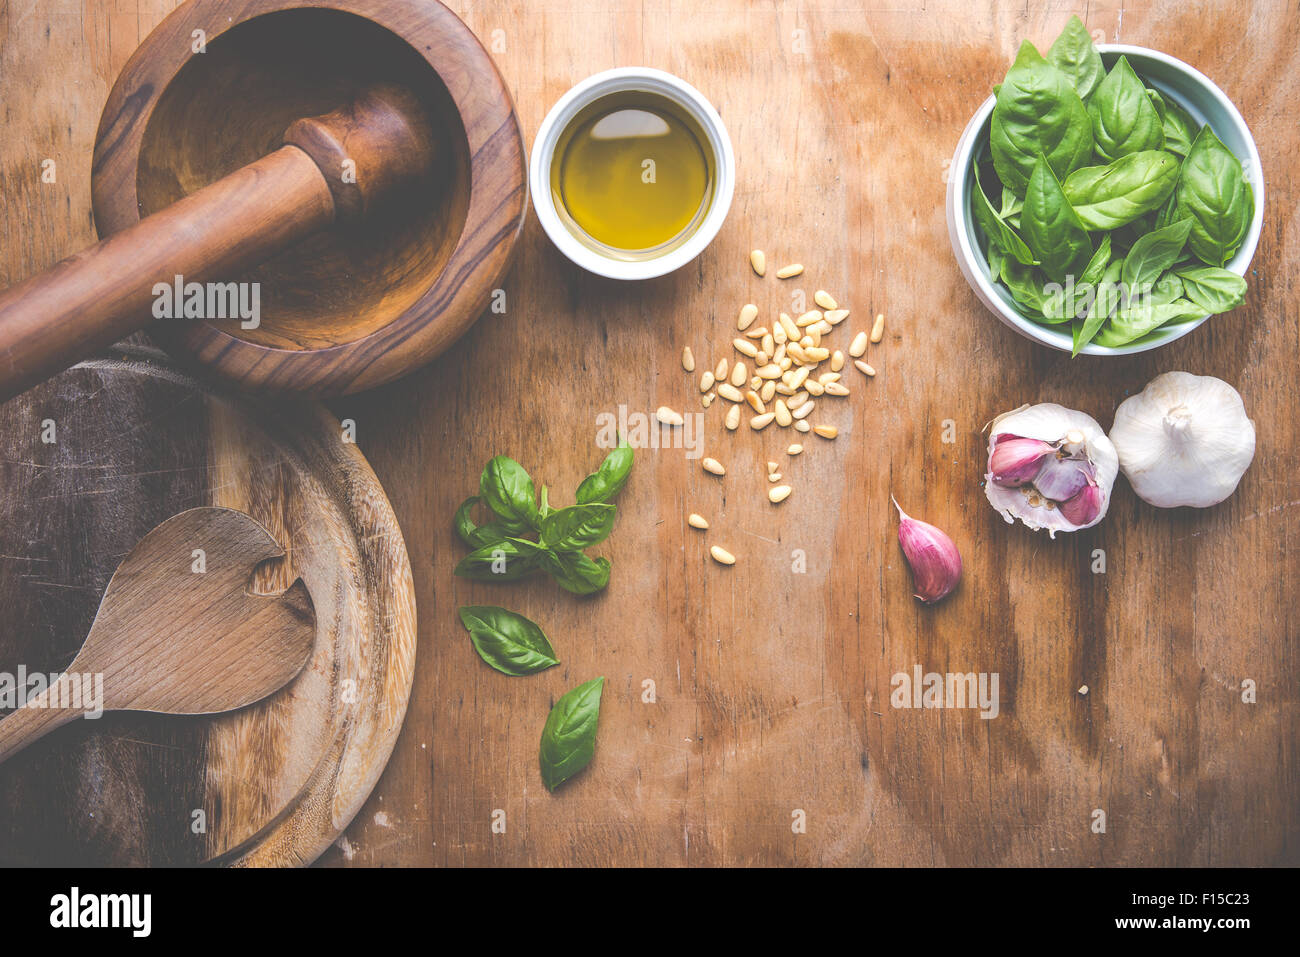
(794, 449)
(836, 316)
(785, 363)
(778, 356)
(814, 387)
(795, 352)
(801, 426)
(688, 359)
(769, 371)
(739, 374)
(667, 416)
(733, 418)
(797, 378)
(721, 555)
(772, 467)
(755, 402)
(774, 477)
(756, 383)
(706, 381)
(864, 368)
(792, 332)
(782, 413)
(826, 431)
(714, 466)
(828, 377)
(804, 410)
(825, 299)
(834, 388)
(778, 335)
(720, 373)
(748, 313)
(759, 422)
(808, 318)
(745, 346)
(757, 332)
(790, 271)
(783, 388)
(779, 494)
(837, 361)
(806, 343)
(706, 400)
(817, 354)
(768, 390)
(730, 392)
(758, 261)
(761, 358)
(878, 327)
(769, 344)
(858, 345)
(697, 521)
(820, 328)
(798, 399)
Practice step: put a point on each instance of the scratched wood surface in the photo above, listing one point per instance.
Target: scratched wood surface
(772, 686)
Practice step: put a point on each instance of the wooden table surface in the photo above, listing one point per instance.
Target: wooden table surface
(772, 682)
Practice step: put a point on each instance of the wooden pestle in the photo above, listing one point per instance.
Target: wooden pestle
(103, 293)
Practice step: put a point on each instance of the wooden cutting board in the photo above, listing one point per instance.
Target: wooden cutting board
(90, 462)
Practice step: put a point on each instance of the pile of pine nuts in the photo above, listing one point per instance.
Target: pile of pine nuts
(784, 384)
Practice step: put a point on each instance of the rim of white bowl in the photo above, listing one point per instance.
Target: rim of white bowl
(971, 260)
(619, 80)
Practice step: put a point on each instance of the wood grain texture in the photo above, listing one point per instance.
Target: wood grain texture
(772, 687)
(135, 443)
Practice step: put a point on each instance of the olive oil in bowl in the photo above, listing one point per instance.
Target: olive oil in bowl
(633, 175)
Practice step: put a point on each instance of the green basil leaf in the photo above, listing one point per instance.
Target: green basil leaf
(608, 480)
(1134, 322)
(1011, 203)
(475, 536)
(1025, 284)
(995, 230)
(1180, 129)
(1151, 255)
(1037, 113)
(508, 642)
(1095, 271)
(578, 526)
(507, 560)
(506, 488)
(1072, 302)
(576, 573)
(1214, 194)
(1052, 231)
(1110, 196)
(1103, 306)
(569, 737)
(1213, 289)
(1124, 120)
(1075, 56)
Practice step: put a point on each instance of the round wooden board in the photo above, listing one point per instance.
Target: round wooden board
(135, 441)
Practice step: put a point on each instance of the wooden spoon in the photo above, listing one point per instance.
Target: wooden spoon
(171, 638)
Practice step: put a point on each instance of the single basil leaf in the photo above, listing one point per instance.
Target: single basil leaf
(1158, 102)
(576, 573)
(506, 488)
(475, 536)
(1110, 196)
(507, 560)
(578, 526)
(1213, 289)
(569, 737)
(995, 230)
(1124, 120)
(1214, 194)
(1011, 203)
(1151, 255)
(1107, 297)
(1052, 231)
(995, 257)
(1180, 129)
(1095, 271)
(1025, 284)
(508, 642)
(1037, 113)
(1134, 322)
(608, 480)
(1075, 56)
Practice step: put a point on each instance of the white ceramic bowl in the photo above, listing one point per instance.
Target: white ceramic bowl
(618, 81)
(1193, 91)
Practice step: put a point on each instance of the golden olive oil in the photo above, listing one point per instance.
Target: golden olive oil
(633, 175)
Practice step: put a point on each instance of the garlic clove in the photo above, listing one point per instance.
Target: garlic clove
(1078, 437)
(1016, 460)
(932, 555)
(1083, 507)
(1060, 479)
(1184, 440)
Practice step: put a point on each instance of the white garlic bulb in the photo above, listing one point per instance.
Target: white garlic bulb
(1051, 467)
(1184, 440)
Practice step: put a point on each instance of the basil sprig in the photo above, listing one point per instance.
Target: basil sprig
(1100, 198)
(569, 737)
(504, 549)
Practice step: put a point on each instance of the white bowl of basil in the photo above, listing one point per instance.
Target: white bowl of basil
(1107, 199)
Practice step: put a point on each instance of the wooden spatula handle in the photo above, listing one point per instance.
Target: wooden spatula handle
(338, 166)
(35, 719)
(104, 293)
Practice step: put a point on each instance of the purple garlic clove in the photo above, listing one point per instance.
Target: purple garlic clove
(1084, 506)
(934, 559)
(1062, 479)
(1015, 461)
